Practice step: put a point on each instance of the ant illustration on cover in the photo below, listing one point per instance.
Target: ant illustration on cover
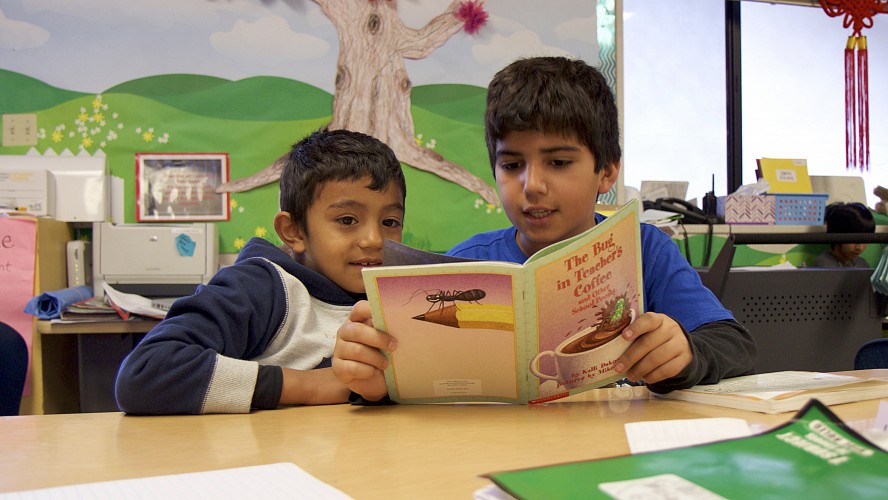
(442, 296)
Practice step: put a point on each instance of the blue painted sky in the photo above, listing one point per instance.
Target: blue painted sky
(90, 45)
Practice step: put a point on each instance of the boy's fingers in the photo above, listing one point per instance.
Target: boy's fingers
(361, 313)
(657, 355)
(641, 343)
(645, 323)
(366, 335)
(348, 371)
(360, 353)
(658, 371)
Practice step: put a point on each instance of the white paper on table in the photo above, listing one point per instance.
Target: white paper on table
(666, 434)
(661, 487)
(875, 429)
(281, 480)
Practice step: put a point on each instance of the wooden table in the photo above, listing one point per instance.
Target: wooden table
(79, 362)
(405, 451)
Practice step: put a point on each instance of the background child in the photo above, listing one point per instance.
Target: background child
(553, 138)
(13, 369)
(846, 218)
(261, 332)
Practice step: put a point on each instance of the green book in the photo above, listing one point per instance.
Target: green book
(815, 455)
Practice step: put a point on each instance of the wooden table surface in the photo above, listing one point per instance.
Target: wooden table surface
(403, 451)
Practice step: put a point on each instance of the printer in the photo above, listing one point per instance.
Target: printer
(153, 260)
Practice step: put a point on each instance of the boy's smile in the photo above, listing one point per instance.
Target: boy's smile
(347, 224)
(548, 186)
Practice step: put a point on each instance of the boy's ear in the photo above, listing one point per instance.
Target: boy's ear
(607, 176)
(289, 231)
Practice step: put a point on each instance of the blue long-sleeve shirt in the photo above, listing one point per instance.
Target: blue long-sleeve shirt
(221, 350)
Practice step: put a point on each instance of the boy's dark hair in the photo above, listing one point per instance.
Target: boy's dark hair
(849, 218)
(554, 95)
(335, 155)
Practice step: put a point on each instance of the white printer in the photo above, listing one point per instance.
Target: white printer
(154, 260)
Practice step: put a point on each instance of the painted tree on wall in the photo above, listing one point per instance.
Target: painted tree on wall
(372, 87)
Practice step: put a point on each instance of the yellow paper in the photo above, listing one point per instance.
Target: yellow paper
(786, 175)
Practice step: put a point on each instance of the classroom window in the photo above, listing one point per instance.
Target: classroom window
(674, 93)
(792, 91)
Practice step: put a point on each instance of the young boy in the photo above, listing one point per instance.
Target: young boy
(553, 138)
(260, 334)
(846, 218)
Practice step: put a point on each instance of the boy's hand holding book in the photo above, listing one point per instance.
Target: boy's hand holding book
(660, 349)
(357, 358)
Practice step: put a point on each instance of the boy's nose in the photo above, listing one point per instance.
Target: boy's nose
(372, 238)
(534, 180)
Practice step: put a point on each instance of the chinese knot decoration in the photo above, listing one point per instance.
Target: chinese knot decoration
(858, 14)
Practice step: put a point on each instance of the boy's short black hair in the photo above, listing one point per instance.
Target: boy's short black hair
(849, 218)
(335, 155)
(554, 95)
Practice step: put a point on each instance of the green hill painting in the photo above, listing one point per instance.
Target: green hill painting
(255, 120)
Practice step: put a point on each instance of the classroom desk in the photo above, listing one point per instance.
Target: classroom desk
(99, 347)
(405, 451)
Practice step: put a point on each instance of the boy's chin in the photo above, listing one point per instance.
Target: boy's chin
(351, 287)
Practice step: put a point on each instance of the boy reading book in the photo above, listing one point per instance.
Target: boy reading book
(261, 332)
(553, 139)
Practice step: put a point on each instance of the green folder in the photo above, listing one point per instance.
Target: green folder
(815, 455)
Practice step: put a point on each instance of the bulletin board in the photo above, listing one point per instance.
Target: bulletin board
(249, 79)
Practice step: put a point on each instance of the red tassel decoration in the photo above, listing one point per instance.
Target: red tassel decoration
(850, 106)
(856, 104)
(863, 153)
(857, 14)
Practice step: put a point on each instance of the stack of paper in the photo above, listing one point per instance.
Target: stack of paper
(130, 303)
(780, 392)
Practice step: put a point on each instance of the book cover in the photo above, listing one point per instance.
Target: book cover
(815, 455)
(785, 175)
(780, 392)
(505, 332)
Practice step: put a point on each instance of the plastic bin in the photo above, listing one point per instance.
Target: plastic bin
(799, 209)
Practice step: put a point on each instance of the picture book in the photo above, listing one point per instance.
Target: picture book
(780, 392)
(506, 332)
(814, 455)
(785, 175)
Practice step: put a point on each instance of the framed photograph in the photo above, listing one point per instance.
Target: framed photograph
(181, 187)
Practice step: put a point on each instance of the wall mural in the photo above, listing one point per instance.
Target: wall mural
(248, 78)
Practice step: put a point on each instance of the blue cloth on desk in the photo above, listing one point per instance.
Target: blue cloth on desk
(49, 305)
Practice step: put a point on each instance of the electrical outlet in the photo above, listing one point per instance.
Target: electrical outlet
(20, 130)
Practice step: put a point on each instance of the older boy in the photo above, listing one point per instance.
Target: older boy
(553, 138)
(260, 334)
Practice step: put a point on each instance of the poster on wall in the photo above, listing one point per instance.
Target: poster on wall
(181, 187)
(18, 258)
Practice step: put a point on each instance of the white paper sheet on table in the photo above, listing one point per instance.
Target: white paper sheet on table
(281, 480)
(665, 434)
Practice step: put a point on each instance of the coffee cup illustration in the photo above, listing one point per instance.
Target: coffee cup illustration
(579, 358)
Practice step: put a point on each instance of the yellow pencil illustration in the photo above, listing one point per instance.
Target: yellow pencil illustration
(487, 316)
